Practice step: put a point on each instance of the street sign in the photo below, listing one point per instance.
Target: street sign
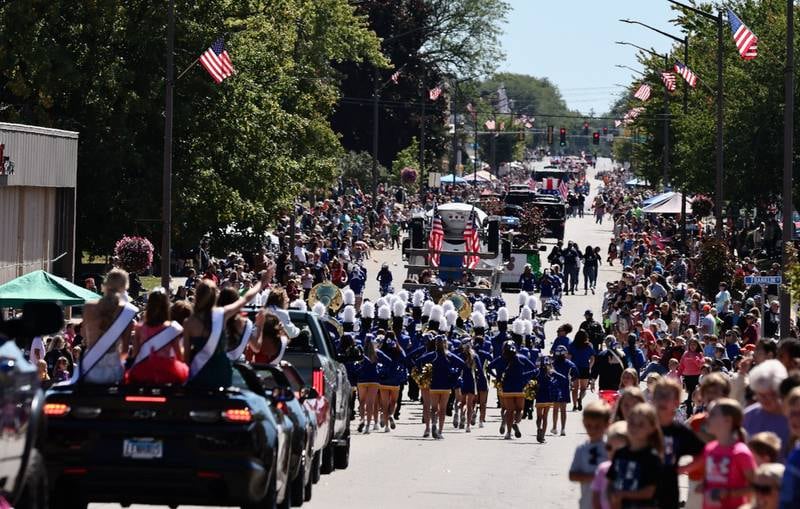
(763, 280)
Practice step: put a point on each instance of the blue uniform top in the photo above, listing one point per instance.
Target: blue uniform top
(394, 370)
(368, 371)
(559, 341)
(497, 343)
(566, 368)
(547, 390)
(515, 375)
(581, 355)
(446, 369)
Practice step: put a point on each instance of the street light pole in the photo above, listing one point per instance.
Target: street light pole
(166, 207)
(788, 149)
(376, 90)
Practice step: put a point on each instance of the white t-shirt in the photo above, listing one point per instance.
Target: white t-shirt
(36, 344)
(588, 457)
(300, 254)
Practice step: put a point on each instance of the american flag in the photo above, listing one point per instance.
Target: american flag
(669, 80)
(643, 93)
(436, 237)
(395, 77)
(563, 190)
(550, 183)
(435, 92)
(686, 73)
(746, 41)
(472, 242)
(216, 61)
(490, 125)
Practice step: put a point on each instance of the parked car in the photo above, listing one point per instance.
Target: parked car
(305, 428)
(22, 468)
(168, 445)
(313, 355)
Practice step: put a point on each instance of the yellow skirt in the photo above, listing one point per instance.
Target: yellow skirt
(544, 405)
(391, 388)
(512, 395)
(439, 391)
(368, 385)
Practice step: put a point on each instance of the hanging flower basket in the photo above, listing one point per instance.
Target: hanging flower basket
(702, 205)
(134, 254)
(408, 175)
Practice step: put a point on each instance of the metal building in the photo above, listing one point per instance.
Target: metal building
(38, 174)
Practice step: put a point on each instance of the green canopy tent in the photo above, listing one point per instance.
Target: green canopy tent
(42, 286)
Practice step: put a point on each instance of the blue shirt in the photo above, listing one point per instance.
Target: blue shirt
(581, 355)
(790, 487)
(559, 341)
(733, 350)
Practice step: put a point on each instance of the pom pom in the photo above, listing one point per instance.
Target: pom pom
(533, 303)
(528, 327)
(478, 320)
(526, 314)
(437, 313)
(348, 297)
(448, 305)
(480, 307)
(399, 308)
(417, 298)
(384, 312)
(451, 315)
(502, 315)
(380, 302)
(522, 298)
(349, 314)
(426, 307)
(367, 310)
(319, 308)
(443, 326)
(403, 295)
(299, 304)
(518, 327)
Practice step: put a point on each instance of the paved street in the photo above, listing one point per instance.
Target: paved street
(481, 469)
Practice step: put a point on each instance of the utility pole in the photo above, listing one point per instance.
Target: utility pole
(376, 90)
(454, 160)
(788, 149)
(166, 199)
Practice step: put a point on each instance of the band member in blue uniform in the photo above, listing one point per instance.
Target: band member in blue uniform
(367, 315)
(502, 332)
(513, 371)
(393, 376)
(567, 369)
(445, 370)
(369, 383)
(548, 383)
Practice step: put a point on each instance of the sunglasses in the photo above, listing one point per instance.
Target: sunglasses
(764, 489)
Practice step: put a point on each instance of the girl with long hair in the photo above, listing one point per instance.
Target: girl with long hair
(157, 347)
(271, 341)
(469, 386)
(394, 375)
(629, 379)
(591, 261)
(634, 472)
(445, 369)
(689, 368)
(369, 384)
(483, 358)
(581, 353)
(107, 327)
(239, 330)
(204, 337)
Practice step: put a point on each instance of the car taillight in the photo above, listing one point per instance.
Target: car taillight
(237, 415)
(55, 409)
(282, 407)
(318, 381)
(145, 399)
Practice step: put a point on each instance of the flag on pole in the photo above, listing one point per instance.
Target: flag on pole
(217, 62)
(532, 184)
(395, 77)
(490, 125)
(563, 190)
(472, 242)
(617, 123)
(746, 41)
(669, 80)
(435, 238)
(686, 73)
(643, 93)
(435, 92)
(550, 184)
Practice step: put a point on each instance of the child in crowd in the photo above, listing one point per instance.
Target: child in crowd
(635, 469)
(628, 399)
(766, 447)
(616, 439)
(590, 454)
(728, 462)
(673, 370)
(61, 370)
(44, 377)
(679, 440)
(790, 488)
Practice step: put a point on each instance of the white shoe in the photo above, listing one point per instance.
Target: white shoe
(508, 436)
(375, 427)
(554, 431)
(386, 429)
(480, 424)
(468, 430)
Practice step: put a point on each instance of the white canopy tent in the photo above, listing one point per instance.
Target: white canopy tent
(669, 205)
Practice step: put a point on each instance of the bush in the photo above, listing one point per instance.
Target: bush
(714, 265)
(134, 254)
(702, 206)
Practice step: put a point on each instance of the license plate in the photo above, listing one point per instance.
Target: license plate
(142, 448)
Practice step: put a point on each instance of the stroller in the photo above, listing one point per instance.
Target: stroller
(551, 309)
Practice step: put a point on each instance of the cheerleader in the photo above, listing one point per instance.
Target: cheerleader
(548, 381)
(513, 371)
(368, 384)
(394, 375)
(414, 360)
(481, 381)
(469, 385)
(567, 369)
(445, 367)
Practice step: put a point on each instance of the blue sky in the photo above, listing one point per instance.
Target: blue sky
(571, 42)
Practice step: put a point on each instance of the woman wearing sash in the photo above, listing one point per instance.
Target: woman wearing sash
(270, 345)
(239, 330)
(107, 326)
(204, 336)
(157, 348)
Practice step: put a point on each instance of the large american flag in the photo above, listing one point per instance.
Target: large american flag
(436, 238)
(686, 73)
(746, 41)
(669, 80)
(550, 183)
(472, 242)
(435, 92)
(563, 190)
(217, 62)
(643, 93)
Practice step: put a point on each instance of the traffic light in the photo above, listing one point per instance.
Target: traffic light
(605, 131)
(549, 135)
(585, 127)
(596, 138)
(563, 137)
